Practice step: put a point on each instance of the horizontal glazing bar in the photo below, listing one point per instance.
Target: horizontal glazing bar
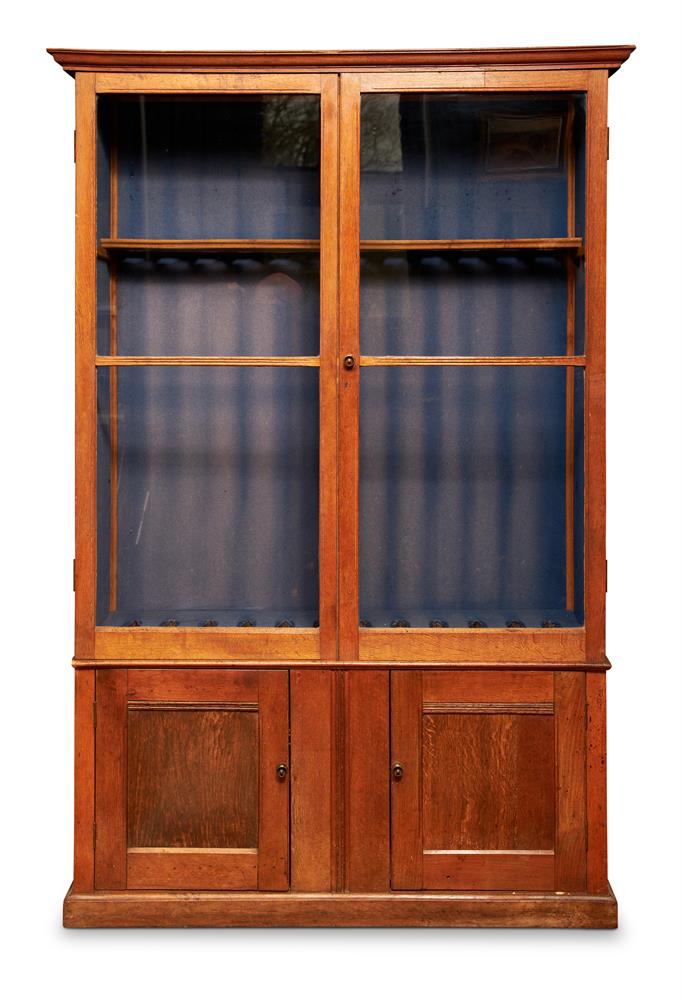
(111, 361)
(558, 360)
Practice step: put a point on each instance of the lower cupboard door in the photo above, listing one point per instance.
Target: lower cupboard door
(192, 779)
(488, 780)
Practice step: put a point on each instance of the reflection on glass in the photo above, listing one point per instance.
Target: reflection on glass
(463, 513)
(457, 166)
(252, 305)
(436, 303)
(198, 168)
(214, 476)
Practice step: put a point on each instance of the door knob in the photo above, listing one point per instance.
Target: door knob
(397, 771)
(349, 361)
(281, 771)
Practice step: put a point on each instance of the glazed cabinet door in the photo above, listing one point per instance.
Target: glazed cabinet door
(469, 340)
(206, 353)
(192, 779)
(488, 781)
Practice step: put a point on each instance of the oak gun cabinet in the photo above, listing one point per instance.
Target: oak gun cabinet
(340, 475)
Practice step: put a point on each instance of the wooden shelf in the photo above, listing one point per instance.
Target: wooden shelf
(192, 246)
(107, 246)
(558, 243)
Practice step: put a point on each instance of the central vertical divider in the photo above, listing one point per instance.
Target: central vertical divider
(349, 378)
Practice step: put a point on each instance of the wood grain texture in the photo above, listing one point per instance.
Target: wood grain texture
(483, 686)
(329, 348)
(169, 869)
(596, 777)
(273, 834)
(86, 402)
(207, 83)
(488, 782)
(595, 460)
(479, 870)
(367, 781)
(131, 361)
(406, 360)
(527, 243)
(482, 645)
(110, 779)
(127, 60)
(349, 379)
(406, 793)
(442, 909)
(193, 685)
(84, 781)
(192, 779)
(447, 80)
(122, 244)
(570, 751)
(211, 663)
(189, 644)
(313, 780)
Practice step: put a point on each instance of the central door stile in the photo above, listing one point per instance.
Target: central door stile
(349, 345)
(329, 340)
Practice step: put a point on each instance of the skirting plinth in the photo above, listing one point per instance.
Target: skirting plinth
(400, 909)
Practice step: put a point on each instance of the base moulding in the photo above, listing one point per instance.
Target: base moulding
(352, 909)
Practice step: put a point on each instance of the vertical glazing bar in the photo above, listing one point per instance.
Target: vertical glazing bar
(596, 209)
(86, 402)
(329, 337)
(349, 377)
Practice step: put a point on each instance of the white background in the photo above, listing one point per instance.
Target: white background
(644, 517)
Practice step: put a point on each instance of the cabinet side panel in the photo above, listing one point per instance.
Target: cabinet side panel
(111, 688)
(84, 782)
(570, 763)
(312, 780)
(597, 783)
(367, 780)
(86, 321)
(596, 208)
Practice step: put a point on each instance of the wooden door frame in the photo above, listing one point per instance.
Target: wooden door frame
(559, 693)
(117, 866)
(94, 644)
(570, 645)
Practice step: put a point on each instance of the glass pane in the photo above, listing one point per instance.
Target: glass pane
(464, 479)
(253, 304)
(459, 166)
(208, 496)
(203, 168)
(451, 303)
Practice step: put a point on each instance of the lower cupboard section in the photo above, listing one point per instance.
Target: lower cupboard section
(357, 781)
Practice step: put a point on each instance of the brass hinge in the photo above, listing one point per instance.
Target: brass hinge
(74, 145)
(608, 142)
(73, 574)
